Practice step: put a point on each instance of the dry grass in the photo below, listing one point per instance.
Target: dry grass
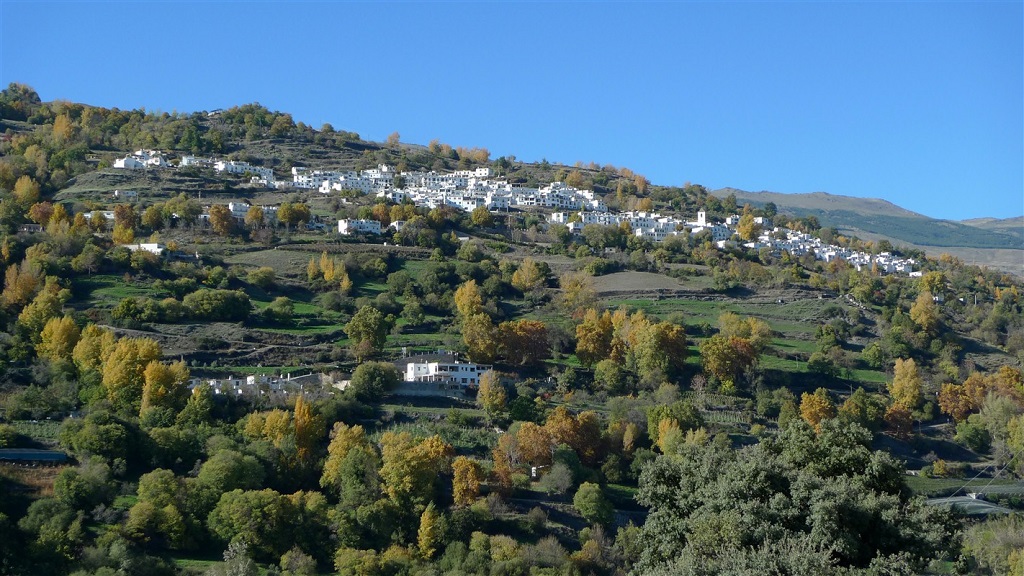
(36, 480)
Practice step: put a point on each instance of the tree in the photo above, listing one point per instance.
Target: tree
(590, 502)
(864, 409)
(491, 395)
(254, 217)
(264, 277)
(372, 380)
(428, 537)
(153, 218)
(166, 386)
(714, 509)
(26, 192)
(58, 339)
(481, 338)
(124, 371)
(393, 139)
(524, 342)
(816, 408)
(535, 444)
(221, 220)
(905, 387)
(481, 217)
(594, 337)
(466, 481)
(411, 467)
(925, 313)
(294, 215)
(530, 275)
(726, 358)
(578, 293)
(468, 300)
(747, 228)
(368, 329)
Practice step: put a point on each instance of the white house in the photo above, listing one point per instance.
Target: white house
(446, 369)
(152, 247)
(129, 163)
(350, 226)
(127, 195)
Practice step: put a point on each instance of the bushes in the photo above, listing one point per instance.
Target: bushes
(222, 305)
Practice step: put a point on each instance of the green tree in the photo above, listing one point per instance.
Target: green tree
(368, 329)
(372, 380)
(591, 503)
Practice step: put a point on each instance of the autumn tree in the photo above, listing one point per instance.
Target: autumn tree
(254, 217)
(467, 476)
(491, 396)
(524, 342)
(481, 217)
(531, 275)
(351, 468)
(756, 331)
(594, 337)
(26, 192)
(481, 338)
(536, 443)
(221, 220)
(124, 371)
(468, 300)
(726, 358)
(816, 408)
(410, 467)
(906, 384)
(165, 386)
(58, 339)
(577, 292)
(93, 347)
(925, 313)
(428, 537)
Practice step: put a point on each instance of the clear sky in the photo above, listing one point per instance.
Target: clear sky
(920, 103)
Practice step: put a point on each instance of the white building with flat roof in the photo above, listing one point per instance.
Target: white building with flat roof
(351, 226)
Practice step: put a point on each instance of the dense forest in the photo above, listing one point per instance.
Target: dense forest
(648, 408)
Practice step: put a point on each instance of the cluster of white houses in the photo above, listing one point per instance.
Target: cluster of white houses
(471, 189)
(154, 159)
(798, 243)
(463, 189)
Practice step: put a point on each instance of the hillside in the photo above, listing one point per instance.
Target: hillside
(221, 372)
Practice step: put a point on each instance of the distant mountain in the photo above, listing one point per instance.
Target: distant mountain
(881, 218)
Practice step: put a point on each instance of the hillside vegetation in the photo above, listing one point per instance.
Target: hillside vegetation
(636, 407)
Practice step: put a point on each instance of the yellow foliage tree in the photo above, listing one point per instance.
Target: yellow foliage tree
(165, 386)
(58, 339)
(466, 481)
(816, 408)
(93, 347)
(925, 313)
(124, 371)
(594, 337)
(905, 387)
(468, 301)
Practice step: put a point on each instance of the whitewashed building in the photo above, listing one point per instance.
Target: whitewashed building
(350, 226)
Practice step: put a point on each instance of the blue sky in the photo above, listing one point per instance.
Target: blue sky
(920, 103)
